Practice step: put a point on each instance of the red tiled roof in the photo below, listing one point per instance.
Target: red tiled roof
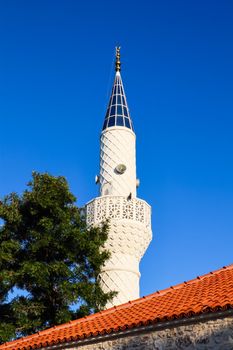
(208, 293)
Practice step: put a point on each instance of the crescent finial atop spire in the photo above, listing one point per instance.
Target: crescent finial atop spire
(118, 111)
(118, 61)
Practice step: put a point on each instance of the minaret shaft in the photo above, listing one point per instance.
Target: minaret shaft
(117, 146)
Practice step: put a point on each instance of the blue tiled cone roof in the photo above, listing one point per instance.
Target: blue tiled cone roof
(118, 111)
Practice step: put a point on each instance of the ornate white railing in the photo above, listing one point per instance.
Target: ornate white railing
(118, 207)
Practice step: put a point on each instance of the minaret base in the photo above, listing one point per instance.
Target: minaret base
(121, 274)
(128, 238)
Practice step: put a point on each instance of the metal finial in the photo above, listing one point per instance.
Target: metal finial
(118, 62)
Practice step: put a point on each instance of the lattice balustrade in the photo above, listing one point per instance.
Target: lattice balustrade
(118, 207)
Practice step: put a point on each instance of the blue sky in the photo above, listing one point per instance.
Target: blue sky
(56, 71)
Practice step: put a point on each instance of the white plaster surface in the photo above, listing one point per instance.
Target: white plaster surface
(117, 146)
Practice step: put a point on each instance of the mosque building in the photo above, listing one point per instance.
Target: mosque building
(196, 314)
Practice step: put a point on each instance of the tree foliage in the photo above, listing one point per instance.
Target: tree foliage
(48, 254)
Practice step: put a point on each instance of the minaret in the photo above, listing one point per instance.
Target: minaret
(129, 217)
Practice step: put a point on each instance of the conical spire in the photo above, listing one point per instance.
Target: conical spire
(118, 111)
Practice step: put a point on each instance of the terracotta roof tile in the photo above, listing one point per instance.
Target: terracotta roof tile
(208, 293)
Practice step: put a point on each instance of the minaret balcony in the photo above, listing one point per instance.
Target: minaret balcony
(118, 208)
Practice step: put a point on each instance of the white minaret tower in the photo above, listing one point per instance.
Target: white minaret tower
(130, 217)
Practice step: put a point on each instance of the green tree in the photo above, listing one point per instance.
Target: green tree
(47, 251)
(9, 248)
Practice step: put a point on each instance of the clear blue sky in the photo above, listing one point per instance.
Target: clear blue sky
(55, 78)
